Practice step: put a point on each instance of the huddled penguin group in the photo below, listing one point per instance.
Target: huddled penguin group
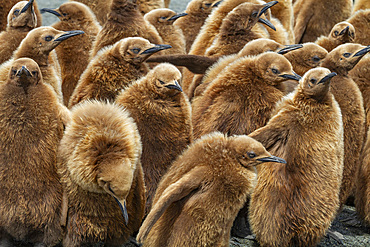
(127, 122)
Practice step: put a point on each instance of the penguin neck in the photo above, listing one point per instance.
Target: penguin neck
(25, 29)
(124, 11)
(333, 67)
(40, 59)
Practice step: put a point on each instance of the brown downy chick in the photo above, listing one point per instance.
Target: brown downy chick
(308, 57)
(294, 204)
(100, 8)
(242, 97)
(37, 45)
(283, 11)
(198, 11)
(21, 19)
(360, 4)
(163, 115)
(31, 128)
(198, 199)
(124, 20)
(236, 29)
(361, 22)
(145, 6)
(99, 164)
(343, 32)
(162, 20)
(315, 18)
(279, 34)
(341, 60)
(113, 69)
(74, 54)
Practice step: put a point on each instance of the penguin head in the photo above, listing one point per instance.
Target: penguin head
(136, 50)
(72, 12)
(274, 68)
(261, 45)
(165, 80)
(343, 32)
(24, 73)
(162, 17)
(316, 83)
(22, 15)
(344, 57)
(201, 7)
(309, 56)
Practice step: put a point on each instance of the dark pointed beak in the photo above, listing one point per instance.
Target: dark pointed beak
(266, 6)
(217, 3)
(175, 17)
(272, 159)
(362, 52)
(23, 72)
(51, 11)
(267, 23)
(174, 86)
(344, 31)
(295, 76)
(156, 48)
(68, 35)
(327, 77)
(289, 48)
(29, 4)
(122, 206)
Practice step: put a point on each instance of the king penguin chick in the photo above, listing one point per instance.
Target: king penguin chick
(21, 19)
(199, 197)
(99, 163)
(162, 20)
(361, 21)
(343, 32)
(124, 20)
(315, 18)
(163, 116)
(294, 204)
(145, 6)
(100, 8)
(341, 60)
(37, 45)
(360, 4)
(198, 11)
(242, 97)
(74, 16)
(283, 11)
(113, 69)
(31, 128)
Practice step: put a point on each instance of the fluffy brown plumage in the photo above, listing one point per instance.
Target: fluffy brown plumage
(162, 20)
(21, 19)
(284, 12)
(315, 18)
(163, 115)
(198, 199)
(101, 8)
(294, 204)
(346, 92)
(99, 163)
(242, 97)
(343, 32)
(37, 45)
(124, 20)
(198, 11)
(74, 54)
(145, 6)
(361, 21)
(360, 4)
(31, 127)
(113, 69)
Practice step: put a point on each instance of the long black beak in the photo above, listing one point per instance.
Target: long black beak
(344, 31)
(51, 11)
(362, 52)
(23, 72)
(327, 77)
(266, 6)
(68, 35)
(174, 86)
(267, 23)
(289, 48)
(156, 48)
(295, 77)
(175, 17)
(123, 209)
(272, 159)
(29, 4)
(217, 3)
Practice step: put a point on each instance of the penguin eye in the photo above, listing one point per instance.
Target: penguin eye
(313, 81)
(14, 71)
(16, 12)
(275, 71)
(136, 50)
(162, 82)
(163, 18)
(251, 155)
(336, 33)
(48, 38)
(254, 14)
(316, 59)
(34, 73)
(346, 54)
(208, 4)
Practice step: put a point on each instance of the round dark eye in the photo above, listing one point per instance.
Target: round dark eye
(316, 59)
(313, 81)
(16, 12)
(136, 50)
(34, 73)
(251, 155)
(336, 33)
(163, 18)
(275, 71)
(48, 38)
(346, 54)
(254, 14)
(162, 82)
(14, 71)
